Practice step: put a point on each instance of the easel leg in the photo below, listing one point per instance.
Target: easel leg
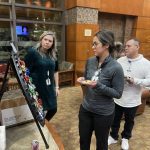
(41, 132)
(4, 81)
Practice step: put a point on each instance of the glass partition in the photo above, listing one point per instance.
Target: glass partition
(5, 38)
(4, 12)
(42, 3)
(27, 23)
(4, 0)
(28, 35)
(38, 15)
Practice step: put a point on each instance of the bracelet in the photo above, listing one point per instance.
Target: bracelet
(57, 87)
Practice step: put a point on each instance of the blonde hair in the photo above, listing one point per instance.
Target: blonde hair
(52, 51)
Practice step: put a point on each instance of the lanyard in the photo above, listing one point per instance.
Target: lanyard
(96, 74)
(48, 81)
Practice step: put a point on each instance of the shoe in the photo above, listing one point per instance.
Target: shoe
(125, 144)
(111, 140)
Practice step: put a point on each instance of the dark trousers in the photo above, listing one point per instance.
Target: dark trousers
(89, 122)
(129, 115)
(50, 114)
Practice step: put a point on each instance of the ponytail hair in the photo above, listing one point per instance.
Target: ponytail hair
(106, 37)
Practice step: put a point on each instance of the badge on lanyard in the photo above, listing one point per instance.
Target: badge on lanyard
(48, 81)
(96, 75)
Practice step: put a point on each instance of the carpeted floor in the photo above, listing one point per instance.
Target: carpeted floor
(21, 137)
(66, 123)
(66, 119)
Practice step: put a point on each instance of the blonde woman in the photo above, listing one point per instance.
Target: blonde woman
(43, 66)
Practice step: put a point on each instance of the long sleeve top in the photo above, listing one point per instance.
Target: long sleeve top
(110, 85)
(139, 70)
(42, 69)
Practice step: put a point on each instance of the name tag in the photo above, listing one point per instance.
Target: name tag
(48, 81)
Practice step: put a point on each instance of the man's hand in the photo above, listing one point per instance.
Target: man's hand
(130, 80)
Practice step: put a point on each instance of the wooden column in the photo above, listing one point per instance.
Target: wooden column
(82, 24)
(79, 46)
(143, 29)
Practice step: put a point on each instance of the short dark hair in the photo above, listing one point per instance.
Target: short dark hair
(106, 37)
(135, 40)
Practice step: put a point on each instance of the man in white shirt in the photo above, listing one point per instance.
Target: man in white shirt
(137, 75)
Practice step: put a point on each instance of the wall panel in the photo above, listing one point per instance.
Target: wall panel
(82, 3)
(82, 50)
(143, 35)
(146, 8)
(143, 22)
(122, 6)
(71, 51)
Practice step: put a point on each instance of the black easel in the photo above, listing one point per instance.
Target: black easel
(13, 61)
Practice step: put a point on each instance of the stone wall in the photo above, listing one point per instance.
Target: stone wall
(82, 16)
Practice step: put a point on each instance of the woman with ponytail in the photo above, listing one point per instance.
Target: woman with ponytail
(103, 80)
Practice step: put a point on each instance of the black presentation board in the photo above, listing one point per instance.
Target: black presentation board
(28, 89)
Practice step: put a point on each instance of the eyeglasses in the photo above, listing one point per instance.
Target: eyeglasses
(95, 44)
